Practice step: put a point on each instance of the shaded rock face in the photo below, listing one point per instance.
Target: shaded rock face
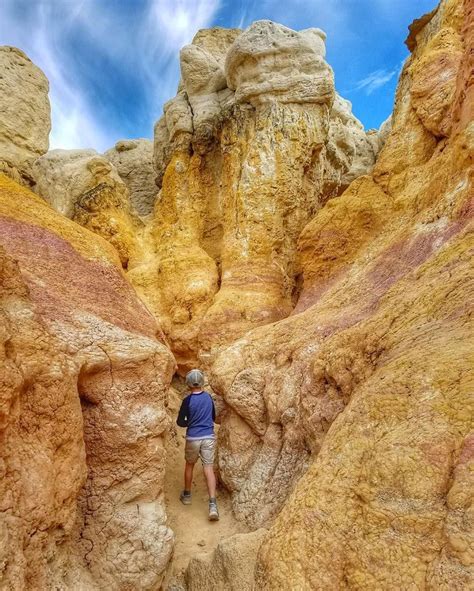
(25, 119)
(250, 148)
(82, 410)
(88, 189)
(355, 413)
(133, 160)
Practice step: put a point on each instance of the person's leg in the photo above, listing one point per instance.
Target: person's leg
(210, 480)
(191, 454)
(207, 457)
(188, 476)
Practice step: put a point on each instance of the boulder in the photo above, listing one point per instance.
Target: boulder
(272, 62)
(231, 566)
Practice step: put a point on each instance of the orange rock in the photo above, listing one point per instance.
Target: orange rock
(357, 409)
(83, 400)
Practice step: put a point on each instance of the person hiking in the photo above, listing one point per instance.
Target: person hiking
(198, 414)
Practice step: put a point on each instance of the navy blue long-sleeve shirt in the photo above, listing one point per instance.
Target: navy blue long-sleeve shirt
(198, 414)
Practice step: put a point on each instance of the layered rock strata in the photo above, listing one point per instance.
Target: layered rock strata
(250, 148)
(25, 120)
(255, 141)
(364, 392)
(83, 401)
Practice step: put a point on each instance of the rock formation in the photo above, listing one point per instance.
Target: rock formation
(133, 160)
(320, 273)
(82, 410)
(253, 144)
(364, 391)
(87, 188)
(25, 120)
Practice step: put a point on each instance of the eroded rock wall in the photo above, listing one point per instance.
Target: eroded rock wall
(83, 410)
(133, 160)
(364, 393)
(254, 143)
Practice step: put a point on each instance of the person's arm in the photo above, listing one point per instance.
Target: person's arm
(183, 415)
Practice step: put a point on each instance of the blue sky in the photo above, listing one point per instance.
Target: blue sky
(113, 63)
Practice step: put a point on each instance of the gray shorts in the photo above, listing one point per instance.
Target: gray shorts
(200, 448)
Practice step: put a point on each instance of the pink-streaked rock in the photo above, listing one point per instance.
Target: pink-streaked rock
(83, 409)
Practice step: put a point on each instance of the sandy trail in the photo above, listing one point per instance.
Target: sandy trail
(195, 534)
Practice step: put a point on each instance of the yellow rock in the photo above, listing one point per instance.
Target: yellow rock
(248, 151)
(358, 408)
(83, 395)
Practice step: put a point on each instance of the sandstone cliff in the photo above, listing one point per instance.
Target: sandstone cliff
(320, 273)
(82, 410)
(365, 390)
(254, 143)
(250, 148)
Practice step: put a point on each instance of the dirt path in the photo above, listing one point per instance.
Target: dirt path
(195, 535)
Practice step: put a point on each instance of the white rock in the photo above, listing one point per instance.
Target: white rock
(63, 176)
(179, 118)
(133, 160)
(272, 62)
(202, 100)
(25, 120)
(317, 37)
(349, 143)
(216, 41)
(201, 73)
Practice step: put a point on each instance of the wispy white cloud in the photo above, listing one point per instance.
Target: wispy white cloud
(147, 45)
(73, 121)
(375, 80)
(132, 49)
(166, 27)
(171, 24)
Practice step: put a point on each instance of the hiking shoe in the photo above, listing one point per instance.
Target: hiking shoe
(213, 512)
(185, 498)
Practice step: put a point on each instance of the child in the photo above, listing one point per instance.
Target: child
(198, 414)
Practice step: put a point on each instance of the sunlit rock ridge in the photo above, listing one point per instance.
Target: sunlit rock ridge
(320, 273)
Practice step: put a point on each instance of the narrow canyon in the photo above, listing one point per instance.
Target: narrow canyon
(320, 275)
